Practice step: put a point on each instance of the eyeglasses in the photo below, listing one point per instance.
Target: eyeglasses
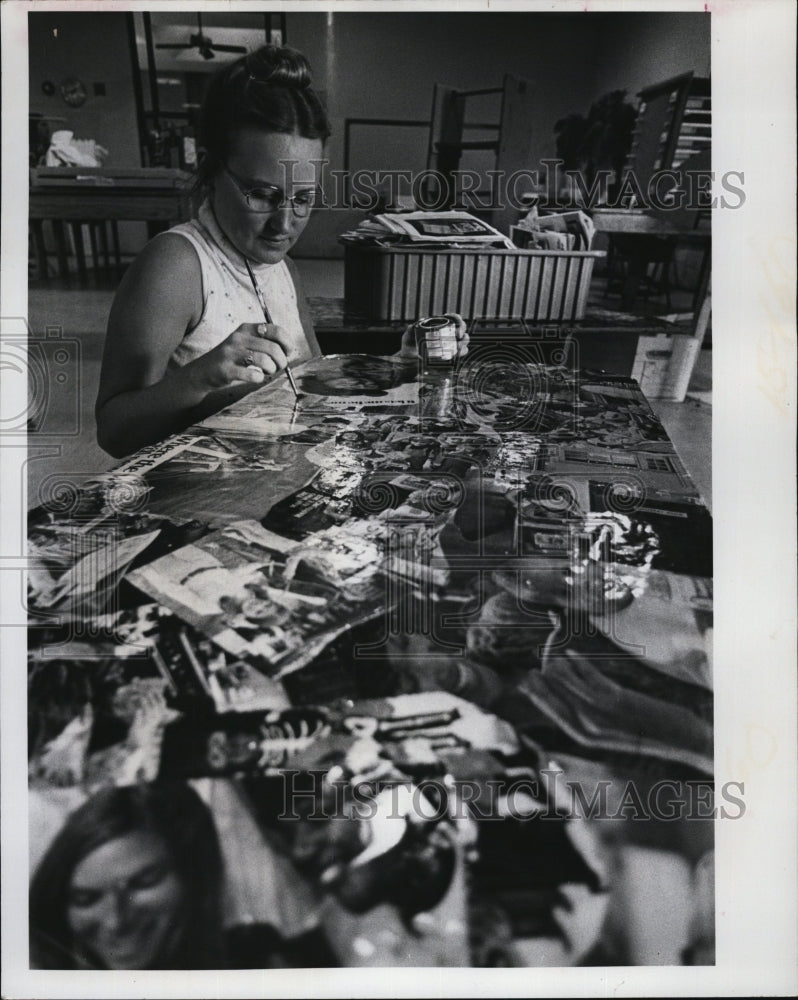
(268, 198)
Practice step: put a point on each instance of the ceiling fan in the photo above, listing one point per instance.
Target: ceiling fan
(203, 44)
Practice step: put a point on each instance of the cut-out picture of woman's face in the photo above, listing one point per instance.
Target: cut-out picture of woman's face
(125, 902)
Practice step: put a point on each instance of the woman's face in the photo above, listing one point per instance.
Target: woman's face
(259, 159)
(126, 902)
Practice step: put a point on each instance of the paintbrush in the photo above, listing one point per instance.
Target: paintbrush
(268, 319)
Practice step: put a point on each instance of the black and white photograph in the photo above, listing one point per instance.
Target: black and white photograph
(389, 391)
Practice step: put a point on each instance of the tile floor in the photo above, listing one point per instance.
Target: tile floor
(81, 314)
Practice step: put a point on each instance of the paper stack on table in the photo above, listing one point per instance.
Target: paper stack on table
(431, 229)
(556, 231)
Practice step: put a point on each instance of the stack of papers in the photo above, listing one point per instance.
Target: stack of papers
(558, 231)
(427, 229)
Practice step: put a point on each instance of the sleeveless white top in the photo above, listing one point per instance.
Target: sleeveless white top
(228, 298)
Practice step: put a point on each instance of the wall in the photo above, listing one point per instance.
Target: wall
(385, 65)
(95, 48)
(637, 50)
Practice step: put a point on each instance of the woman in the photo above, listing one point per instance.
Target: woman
(186, 335)
(134, 881)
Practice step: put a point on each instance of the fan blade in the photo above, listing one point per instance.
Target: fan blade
(229, 48)
(163, 45)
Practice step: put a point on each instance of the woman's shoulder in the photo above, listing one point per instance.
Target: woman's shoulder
(167, 260)
(175, 246)
(165, 278)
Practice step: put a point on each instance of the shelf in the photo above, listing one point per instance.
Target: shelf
(673, 124)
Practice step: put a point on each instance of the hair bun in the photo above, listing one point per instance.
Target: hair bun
(280, 66)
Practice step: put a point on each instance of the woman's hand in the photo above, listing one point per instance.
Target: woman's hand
(250, 354)
(409, 348)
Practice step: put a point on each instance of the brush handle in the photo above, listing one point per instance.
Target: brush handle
(268, 318)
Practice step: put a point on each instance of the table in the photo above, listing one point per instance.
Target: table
(92, 195)
(684, 225)
(492, 583)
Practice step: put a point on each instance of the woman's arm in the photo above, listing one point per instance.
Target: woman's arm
(140, 400)
(160, 297)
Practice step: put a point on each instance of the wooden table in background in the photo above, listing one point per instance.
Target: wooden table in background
(161, 197)
(679, 224)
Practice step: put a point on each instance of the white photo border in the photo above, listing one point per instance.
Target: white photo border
(754, 363)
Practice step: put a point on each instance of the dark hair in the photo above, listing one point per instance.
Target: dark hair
(172, 812)
(270, 89)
